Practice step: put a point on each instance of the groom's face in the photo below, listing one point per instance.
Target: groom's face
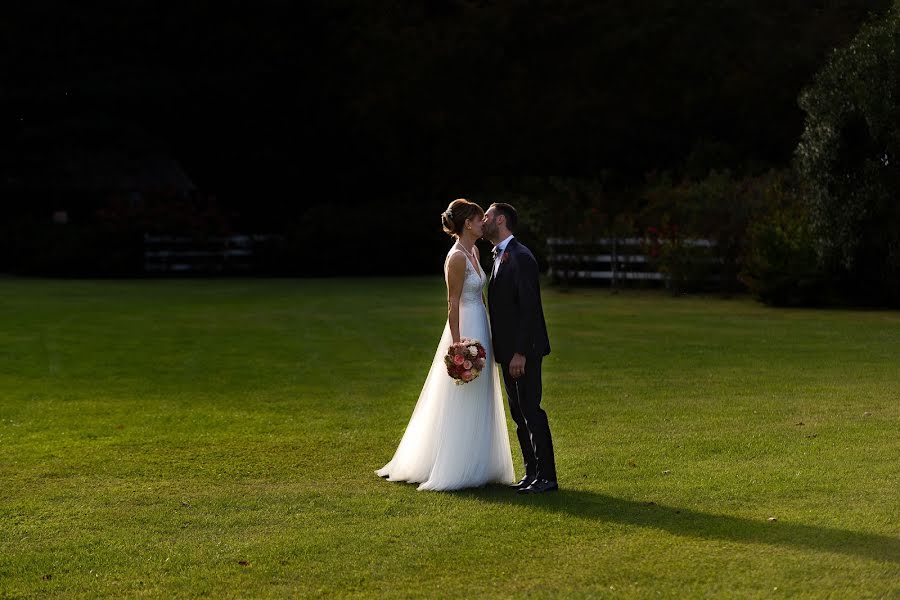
(489, 224)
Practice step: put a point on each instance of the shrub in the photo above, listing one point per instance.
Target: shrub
(717, 208)
(780, 265)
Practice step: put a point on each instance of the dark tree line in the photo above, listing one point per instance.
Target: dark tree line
(333, 119)
(265, 93)
(578, 86)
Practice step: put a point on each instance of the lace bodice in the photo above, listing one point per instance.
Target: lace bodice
(473, 285)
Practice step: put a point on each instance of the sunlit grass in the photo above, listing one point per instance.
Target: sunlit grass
(218, 438)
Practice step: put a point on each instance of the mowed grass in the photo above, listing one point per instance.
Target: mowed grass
(218, 438)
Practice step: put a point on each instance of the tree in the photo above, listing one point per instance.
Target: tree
(848, 161)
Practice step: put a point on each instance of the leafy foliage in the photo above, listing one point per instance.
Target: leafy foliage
(718, 208)
(780, 266)
(849, 162)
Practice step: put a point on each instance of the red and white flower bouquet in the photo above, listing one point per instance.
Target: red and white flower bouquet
(465, 360)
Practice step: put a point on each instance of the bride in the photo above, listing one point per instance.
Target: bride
(456, 437)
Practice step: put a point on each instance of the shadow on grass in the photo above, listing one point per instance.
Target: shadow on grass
(680, 521)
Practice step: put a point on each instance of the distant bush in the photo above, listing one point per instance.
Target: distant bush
(72, 250)
(780, 265)
(105, 240)
(363, 240)
(717, 208)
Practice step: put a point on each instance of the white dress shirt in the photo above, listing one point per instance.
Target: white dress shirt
(502, 246)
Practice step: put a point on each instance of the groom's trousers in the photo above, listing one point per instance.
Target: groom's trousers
(532, 427)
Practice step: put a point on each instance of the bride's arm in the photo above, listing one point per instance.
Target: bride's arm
(478, 258)
(456, 275)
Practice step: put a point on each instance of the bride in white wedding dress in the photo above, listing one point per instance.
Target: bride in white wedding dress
(457, 437)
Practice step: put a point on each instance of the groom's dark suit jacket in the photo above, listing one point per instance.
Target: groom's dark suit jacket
(514, 300)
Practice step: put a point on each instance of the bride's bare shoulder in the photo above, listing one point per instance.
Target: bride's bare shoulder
(455, 258)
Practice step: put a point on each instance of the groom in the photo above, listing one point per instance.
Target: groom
(520, 343)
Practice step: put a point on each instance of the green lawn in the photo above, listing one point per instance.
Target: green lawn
(218, 438)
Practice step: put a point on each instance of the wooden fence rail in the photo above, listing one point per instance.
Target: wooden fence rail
(170, 254)
(615, 260)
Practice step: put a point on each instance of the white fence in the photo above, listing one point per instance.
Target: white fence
(611, 259)
(182, 254)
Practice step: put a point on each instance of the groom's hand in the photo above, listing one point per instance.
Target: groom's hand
(517, 366)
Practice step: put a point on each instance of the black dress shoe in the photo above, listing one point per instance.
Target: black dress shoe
(524, 482)
(539, 487)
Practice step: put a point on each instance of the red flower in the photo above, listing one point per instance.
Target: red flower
(504, 257)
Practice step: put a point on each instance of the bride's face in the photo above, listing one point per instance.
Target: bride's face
(477, 226)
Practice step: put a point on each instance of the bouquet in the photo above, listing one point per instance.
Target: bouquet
(465, 360)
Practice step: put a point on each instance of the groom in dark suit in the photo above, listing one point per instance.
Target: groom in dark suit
(520, 343)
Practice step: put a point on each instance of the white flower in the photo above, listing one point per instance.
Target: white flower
(473, 350)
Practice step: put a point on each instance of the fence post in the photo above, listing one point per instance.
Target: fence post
(615, 263)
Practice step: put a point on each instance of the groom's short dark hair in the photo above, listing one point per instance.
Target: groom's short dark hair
(507, 210)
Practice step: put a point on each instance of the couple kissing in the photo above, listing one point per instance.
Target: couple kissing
(456, 437)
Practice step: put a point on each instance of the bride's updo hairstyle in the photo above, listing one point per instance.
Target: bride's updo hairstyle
(455, 217)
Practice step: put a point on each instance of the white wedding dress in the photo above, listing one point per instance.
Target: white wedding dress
(457, 437)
